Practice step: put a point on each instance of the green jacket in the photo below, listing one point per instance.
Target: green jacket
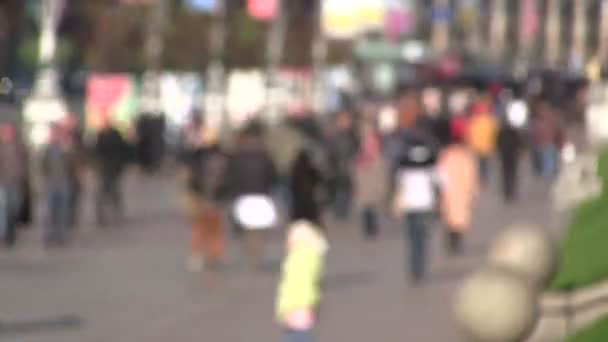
(300, 280)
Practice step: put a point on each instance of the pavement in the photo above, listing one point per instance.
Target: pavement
(129, 284)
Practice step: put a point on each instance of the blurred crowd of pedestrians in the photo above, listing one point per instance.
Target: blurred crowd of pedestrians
(424, 157)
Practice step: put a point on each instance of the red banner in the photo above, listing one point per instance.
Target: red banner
(263, 9)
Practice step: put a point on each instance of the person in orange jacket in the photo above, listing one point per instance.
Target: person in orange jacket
(482, 134)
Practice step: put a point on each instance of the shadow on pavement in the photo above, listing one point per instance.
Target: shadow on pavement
(341, 281)
(450, 275)
(476, 249)
(67, 322)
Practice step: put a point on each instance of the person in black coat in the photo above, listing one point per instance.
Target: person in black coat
(305, 180)
(343, 146)
(250, 172)
(112, 153)
(510, 146)
(250, 167)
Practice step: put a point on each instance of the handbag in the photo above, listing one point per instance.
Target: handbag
(255, 212)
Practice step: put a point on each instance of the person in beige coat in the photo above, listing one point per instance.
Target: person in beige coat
(457, 168)
(370, 178)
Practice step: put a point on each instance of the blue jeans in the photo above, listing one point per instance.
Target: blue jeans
(484, 169)
(548, 156)
(343, 196)
(10, 203)
(298, 336)
(370, 222)
(109, 196)
(416, 228)
(59, 198)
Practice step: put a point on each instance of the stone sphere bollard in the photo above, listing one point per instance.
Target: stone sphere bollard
(496, 305)
(526, 250)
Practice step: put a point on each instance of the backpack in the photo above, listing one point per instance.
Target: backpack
(482, 134)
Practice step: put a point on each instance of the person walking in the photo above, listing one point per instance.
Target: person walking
(299, 290)
(391, 148)
(204, 166)
(75, 133)
(457, 170)
(370, 173)
(343, 145)
(416, 201)
(284, 142)
(14, 173)
(112, 154)
(60, 173)
(482, 133)
(305, 182)
(251, 177)
(510, 146)
(547, 136)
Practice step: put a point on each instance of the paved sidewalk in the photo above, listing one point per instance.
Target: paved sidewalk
(129, 284)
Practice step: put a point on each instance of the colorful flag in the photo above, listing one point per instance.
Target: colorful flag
(347, 19)
(339, 19)
(203, 5)
(399, 18)
(263, 9)
(469, 13)
(529, 21)
(371, 14)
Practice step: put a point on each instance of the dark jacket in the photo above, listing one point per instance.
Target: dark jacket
(250, 170)
(60, 165)
(305, 180)
(510, 143)
(112, 152)
(418, 148)
(546, 129)
(13, 163)
(343, 150)
(206, 167)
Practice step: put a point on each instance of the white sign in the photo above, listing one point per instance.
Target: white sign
(181, 94)
(39, 113)
(246, 95)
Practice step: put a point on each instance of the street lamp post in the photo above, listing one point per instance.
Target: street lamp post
(215, 99)
(552, 33)
(498, 24)
(45, 104)
(440, 36)
(319, 56)
(153, 51)
(276, 39)
(603, 43)
(579, 34)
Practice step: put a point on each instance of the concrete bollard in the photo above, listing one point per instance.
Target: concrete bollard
(527, 250)
(497, 305)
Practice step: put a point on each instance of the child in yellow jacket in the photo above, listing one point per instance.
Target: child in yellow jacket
(299, 289)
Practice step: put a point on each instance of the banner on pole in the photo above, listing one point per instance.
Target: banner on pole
(347, 19)
(371, 14)
(110, 97)
(529, 21)
(399, 19)
(469, 13)
(263, 9)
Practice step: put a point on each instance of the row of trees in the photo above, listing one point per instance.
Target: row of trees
(108, 35)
